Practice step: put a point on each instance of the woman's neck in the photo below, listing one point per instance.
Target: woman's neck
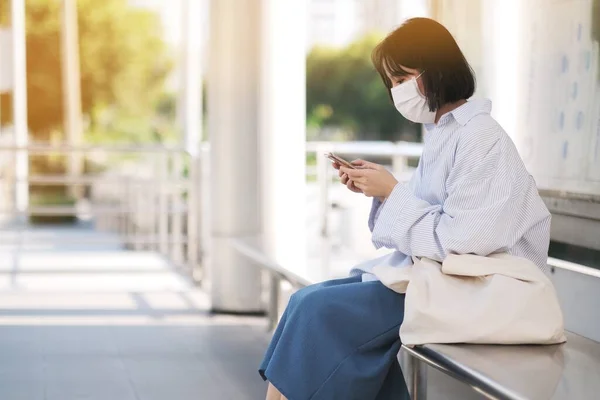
(446, 108)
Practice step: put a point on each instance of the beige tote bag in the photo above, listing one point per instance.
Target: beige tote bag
(499, 299)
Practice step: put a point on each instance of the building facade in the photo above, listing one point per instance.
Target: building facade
(337, 23)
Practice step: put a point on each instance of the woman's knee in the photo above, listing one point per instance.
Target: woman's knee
(319, 299)
(299, 296)
(310, 302)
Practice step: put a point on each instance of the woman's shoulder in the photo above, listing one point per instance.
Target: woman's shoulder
(481, 134)
(484, 138)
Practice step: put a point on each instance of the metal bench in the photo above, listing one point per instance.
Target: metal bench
(568, 371)
(277, 273)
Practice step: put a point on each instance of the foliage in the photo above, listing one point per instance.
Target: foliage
(344, 90)
(4, 10)
(52, 200)
(123, 62)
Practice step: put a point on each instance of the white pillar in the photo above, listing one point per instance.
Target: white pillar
(191, 82)
(71, 87)
(21, 130)
(6, 75)
(283, 132)
(233, 84)
(501, 59)
(6, 84)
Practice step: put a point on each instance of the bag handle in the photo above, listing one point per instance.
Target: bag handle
(494, 264)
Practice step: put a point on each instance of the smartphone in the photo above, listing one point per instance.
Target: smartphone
(339, 160)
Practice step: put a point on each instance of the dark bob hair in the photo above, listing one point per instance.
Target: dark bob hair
(425, 45)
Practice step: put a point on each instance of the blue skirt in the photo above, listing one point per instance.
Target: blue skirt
(338, 340)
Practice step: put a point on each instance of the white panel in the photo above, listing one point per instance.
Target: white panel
(594, 156)
(579, 296)
(538, 61)
(558, 124)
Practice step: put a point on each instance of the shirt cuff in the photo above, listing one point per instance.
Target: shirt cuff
(375, 210)
(389, 213)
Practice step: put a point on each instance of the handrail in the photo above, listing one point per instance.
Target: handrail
(61, 211)
(390, 149)
(66, 148)
(571, 266)
(137, 239)
(376, 148)
(92, 178)
(265, 263)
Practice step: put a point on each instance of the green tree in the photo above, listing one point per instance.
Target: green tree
(345, 90)
(123, 62)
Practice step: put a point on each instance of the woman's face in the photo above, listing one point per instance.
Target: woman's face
(412, 73)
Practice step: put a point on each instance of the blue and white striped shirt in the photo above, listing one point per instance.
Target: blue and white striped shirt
(470, 194)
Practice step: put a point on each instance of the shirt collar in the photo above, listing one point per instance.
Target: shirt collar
(429, 127)
(470, 110)
(464, 113)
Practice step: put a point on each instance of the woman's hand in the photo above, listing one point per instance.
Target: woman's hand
(372, 179)
(345, 180)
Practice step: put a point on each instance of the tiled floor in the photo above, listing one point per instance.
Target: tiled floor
(117, 325)
(113, 362)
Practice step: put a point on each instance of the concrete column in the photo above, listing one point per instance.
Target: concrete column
(21, 131)
(283, 132)
(233, 95)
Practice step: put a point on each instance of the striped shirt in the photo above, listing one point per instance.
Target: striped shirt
(470, 194)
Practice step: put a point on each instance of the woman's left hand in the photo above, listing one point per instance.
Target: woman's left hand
(373, 179)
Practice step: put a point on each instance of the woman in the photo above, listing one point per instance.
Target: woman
(470, 194)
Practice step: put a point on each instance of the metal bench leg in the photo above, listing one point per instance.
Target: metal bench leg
(415, 374)
(273, 312)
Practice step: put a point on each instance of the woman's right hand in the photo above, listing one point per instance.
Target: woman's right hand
(345, 180)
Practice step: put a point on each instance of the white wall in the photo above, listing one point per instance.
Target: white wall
(558, 131)
(538, 63)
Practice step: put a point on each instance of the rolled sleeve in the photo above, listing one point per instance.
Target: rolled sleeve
(478, 216)
(389, 211)
(375, 211)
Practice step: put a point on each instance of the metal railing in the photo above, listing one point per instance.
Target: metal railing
(277, 274)
(150, 198)
(400, 154)
(151, 204)
(398, 157)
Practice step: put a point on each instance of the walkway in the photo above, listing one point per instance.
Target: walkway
(111, 324)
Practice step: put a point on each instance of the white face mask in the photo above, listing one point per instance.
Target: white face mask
(411, 103)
